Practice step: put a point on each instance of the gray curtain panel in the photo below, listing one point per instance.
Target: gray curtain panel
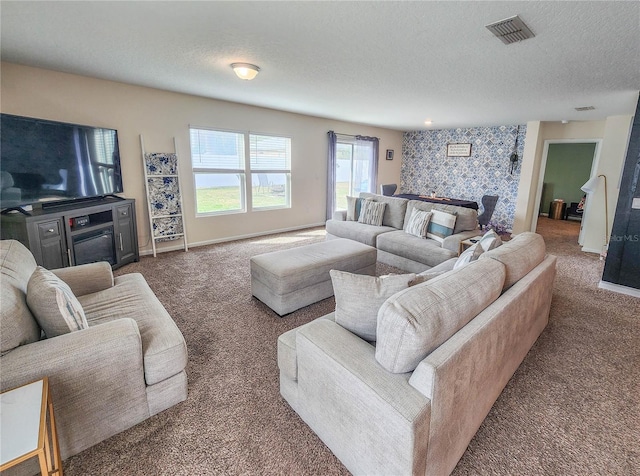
(331, 174)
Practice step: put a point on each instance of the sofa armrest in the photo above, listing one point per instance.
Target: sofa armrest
(87, 278)
(344, 393)
(340, 215)
(357, 358)
(452, 242)
(96, 376)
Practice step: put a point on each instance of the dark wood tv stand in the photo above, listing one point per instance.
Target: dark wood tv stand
(75, 233)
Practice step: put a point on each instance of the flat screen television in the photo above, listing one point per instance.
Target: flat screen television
(45, 161)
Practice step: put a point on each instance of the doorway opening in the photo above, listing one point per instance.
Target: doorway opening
(566, 166)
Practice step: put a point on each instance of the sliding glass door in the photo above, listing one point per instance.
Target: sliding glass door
(354, 168)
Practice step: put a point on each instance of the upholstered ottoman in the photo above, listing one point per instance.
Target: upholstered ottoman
(290, 279)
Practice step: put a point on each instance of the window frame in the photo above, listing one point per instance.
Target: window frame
(245, 175)
(219, 171)
(286, 172)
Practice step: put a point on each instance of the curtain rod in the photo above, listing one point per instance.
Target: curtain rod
(356, 136)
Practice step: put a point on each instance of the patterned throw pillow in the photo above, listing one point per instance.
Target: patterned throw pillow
(467, 256)
(418, 223)
(359, 296)
(441, 225)
(371, 213)
(53, 304)
(489, 241)
(354, 205)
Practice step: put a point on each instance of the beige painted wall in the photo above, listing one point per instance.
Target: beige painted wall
(615, 141)
(160, 115)
(613, 134)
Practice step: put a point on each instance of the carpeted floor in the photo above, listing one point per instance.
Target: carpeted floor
(571, 408)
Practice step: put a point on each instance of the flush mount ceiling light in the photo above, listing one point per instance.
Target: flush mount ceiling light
(245, 70)
(428, 122)
(510, 30)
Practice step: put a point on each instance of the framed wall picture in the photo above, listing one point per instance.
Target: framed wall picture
(389, 154)
(458, 150)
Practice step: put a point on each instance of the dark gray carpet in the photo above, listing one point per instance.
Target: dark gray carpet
(571, 408)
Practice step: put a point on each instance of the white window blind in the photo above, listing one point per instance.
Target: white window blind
(217, 150)
(269, 153)
(230, 180)
(104, 143)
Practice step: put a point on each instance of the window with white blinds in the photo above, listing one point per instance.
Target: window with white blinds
(221, 167)
(217, 150)
(270, 153)
(104, 142)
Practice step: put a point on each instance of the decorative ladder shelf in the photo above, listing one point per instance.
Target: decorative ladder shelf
(164, 197)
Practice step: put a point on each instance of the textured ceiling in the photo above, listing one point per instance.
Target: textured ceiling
(389, 64)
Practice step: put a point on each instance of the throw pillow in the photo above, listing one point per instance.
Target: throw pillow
(53, 304)
(467, 256)
(418, 223)
(372, 213)
(489, 241)
(441, 225)
(354, 205)
(359, 296)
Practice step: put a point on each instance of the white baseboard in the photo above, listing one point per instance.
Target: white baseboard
(229, 238)
(619, 289)
(591, 250)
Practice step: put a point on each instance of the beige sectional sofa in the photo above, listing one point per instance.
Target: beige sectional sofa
(410, 402)
(127, 365)
(395, 246)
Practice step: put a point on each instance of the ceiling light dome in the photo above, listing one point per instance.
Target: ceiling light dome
(245, 70)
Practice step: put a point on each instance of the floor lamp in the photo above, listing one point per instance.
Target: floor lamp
(590, 187)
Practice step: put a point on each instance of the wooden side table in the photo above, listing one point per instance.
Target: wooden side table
(464, 244)
(25, 432)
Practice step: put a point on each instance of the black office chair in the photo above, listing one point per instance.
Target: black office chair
(388, 189)
(489, 205)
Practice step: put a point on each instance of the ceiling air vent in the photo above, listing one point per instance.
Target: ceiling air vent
(510, 30)
(585, 108)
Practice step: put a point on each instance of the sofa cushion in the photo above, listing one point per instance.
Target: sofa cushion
(53, 304)
(394, 211)
(355, 231)
(354, 205)
(359, 297)
(466, 218)
(519, 255)
(372, 212)
(16, 321)
(425, 251)
(441, 225)
(414, 322)
(163, 346)
(418, 223)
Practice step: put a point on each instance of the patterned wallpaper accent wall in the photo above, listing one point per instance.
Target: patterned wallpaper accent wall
(426, 167)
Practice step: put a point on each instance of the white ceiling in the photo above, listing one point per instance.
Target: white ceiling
(388, 64)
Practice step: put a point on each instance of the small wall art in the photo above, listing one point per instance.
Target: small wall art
(389, 154)
(458, 150)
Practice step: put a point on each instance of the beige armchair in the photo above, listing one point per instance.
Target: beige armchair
(127, 365)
